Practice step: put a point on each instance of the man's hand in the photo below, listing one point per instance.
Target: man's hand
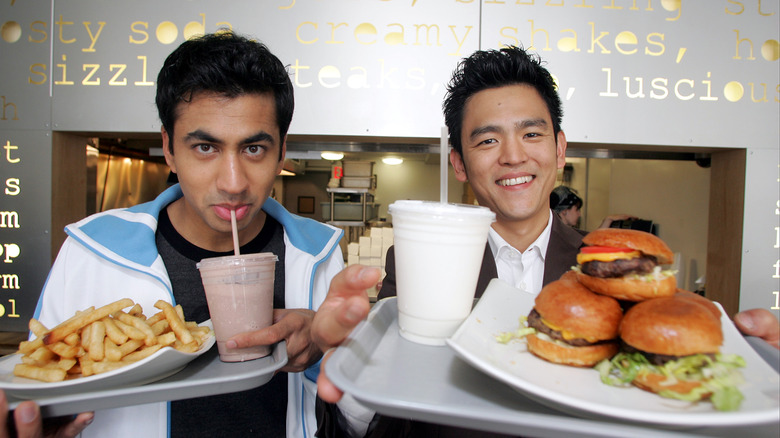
(292, 325)
(344, 307)
(29, 424)
(760, 323)
(615, 217)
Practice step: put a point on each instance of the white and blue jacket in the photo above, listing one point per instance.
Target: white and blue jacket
(112, 255)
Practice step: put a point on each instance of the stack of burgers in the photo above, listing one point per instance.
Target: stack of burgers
(620, 311)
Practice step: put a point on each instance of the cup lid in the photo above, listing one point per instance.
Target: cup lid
(238, 260)
(441, 210)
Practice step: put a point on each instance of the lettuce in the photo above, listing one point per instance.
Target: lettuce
(719, 376)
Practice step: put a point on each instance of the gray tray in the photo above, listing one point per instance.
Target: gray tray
(204, 376)
(399, 378)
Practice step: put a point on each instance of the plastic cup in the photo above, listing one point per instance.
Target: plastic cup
(438, 255)
(240, 295)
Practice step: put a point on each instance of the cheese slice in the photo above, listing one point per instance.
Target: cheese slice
(565, 333)
(606, 256)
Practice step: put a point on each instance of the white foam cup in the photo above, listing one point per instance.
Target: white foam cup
(438, 255)
(240, 295)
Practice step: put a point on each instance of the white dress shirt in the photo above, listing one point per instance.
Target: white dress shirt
(523, 270)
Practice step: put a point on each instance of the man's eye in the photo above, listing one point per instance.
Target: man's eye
(255, 149)
(204, 147)
(489, 141)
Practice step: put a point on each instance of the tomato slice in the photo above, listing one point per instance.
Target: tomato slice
(599, 249)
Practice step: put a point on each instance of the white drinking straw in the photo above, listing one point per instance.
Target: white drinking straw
(444, 149)
(235, 232)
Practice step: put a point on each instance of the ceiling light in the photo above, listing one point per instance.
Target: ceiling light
(333, 156)
(392, 161)
(286, 172)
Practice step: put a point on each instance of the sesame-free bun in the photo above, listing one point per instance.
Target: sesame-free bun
(671, 326)
(629, 289)
(570, 306)
(684, 294)
(642, 241)
(586, 356)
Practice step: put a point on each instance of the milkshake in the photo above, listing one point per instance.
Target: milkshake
(240, 295)
(438, 255)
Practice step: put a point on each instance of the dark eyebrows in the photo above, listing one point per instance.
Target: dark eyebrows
(483, 130)
(259, 137)
(532, 123)
(201, 135)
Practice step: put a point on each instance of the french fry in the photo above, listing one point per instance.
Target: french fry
(38, 373)
(37, 328)
(149, 337)
(64, 350)
(161, 327)
(177, 325)
(130, 331)
(58, 333)
(86, 366)
(186, 348)
(113, 332)
(157, 317)
(179, 311)
(97, 333)
(26, 347)
(136, 311)
(111, 350)
(66, 364)
(86, 336)
(141, 354)
(166, 339)
(130, 346)
(72, 339)
(40, 356)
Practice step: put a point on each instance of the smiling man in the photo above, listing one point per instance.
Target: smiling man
(504, 117)
(225, 103)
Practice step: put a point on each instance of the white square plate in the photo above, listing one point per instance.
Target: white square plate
(580, 391)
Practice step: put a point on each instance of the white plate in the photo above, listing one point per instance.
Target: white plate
(163, 363)
(580, 391)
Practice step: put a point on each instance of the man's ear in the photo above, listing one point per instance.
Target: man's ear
(560, 149)
(167, 147)
(460, 168)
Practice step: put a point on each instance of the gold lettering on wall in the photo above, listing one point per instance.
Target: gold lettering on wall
(6, 107)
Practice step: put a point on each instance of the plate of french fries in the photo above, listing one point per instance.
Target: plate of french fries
(111, 346)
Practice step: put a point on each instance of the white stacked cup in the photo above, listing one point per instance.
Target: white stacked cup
(438, 256)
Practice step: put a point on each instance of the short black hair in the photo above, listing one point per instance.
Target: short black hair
(487, 69)
(227, 64)
(563, 198)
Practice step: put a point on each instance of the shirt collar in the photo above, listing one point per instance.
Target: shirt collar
(497, 242)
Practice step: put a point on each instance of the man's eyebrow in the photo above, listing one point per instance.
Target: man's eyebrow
(199, 134)
(484, 130)
(531, 123)
(259, 137)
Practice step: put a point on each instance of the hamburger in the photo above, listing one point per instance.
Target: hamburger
(626, 264)
(671, 346)
(572, 325)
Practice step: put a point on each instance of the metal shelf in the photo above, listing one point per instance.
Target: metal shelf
(362, 192)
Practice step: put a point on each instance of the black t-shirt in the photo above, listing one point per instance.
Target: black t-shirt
(258, 412)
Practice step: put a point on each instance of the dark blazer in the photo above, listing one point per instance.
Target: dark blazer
(565, 243)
